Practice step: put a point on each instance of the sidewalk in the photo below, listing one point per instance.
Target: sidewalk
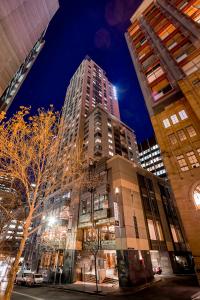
(104, 289)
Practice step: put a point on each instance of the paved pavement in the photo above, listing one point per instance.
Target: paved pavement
(174, 288)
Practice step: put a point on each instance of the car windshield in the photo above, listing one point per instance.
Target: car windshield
(38, 276)
(27, 274)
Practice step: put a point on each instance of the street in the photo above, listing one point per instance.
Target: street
(182, 288)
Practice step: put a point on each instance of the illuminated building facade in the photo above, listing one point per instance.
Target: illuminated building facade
(150, 157)
(164, 43)
(22, 27)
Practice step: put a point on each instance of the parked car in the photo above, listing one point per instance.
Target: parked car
(29, 278)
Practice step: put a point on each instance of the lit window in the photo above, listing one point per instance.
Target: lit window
(111, 153)
(166, 123)
(191, 131)
(159, 230)
(174, 119)
(183, 114)
(110, 141)
(181, 135)
(173, 139)
(109, 124)
(174, 234)
(152, 232)
(182, 163)
(110, 147)
(154, 73)
(167, 31)
(97, 140)
(192, 159)
(110, 135)
(196, 196)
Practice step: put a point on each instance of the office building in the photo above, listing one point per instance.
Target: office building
(128, 211)
(150, 157)
(22, 27)
(164, 43)
(129, 218)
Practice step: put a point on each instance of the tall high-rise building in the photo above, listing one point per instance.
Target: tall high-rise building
(88, 88)
(22, 27)
(164, 43)
(121, 211)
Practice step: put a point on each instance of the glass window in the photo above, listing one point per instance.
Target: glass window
(174, 119)
(192, 159)
(97, 140)
(174, 234)
(161, 89)
(154, 73)
(173, 139)
(182, 163)
(166, 123)
(183, 114)
(191, 131)
(151, 227)
(167, 31)
(111, 153)
(196, 196)
(159, 230)
(181, 135)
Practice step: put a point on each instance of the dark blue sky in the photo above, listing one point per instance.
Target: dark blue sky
(94, 28)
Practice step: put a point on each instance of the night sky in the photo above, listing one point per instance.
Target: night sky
(80, 28)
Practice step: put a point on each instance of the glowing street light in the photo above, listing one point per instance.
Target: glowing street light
(51, 221)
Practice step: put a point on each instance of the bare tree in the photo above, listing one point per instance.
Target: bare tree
(29, 149)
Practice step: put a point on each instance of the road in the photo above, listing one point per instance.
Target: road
(176, 288)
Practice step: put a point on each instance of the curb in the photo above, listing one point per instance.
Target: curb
(115, 293)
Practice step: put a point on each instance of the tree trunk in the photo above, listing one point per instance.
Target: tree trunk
(95, 266)
(14, 268)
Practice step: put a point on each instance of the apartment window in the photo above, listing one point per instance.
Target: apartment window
(192, 65)
(167, 31)
(97, 140)
(191, 131)
(192, 159)
(110, 135)
(109, 124)
(173, 139)
(174, 119)
(110, 153)
(110, 147)
(161, 89)
(166, 123)
(182, 163)
(183, 114)
(181, 135)
(110, 141)
(154, 73)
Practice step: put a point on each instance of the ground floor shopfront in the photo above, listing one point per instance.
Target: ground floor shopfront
(130, 267)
